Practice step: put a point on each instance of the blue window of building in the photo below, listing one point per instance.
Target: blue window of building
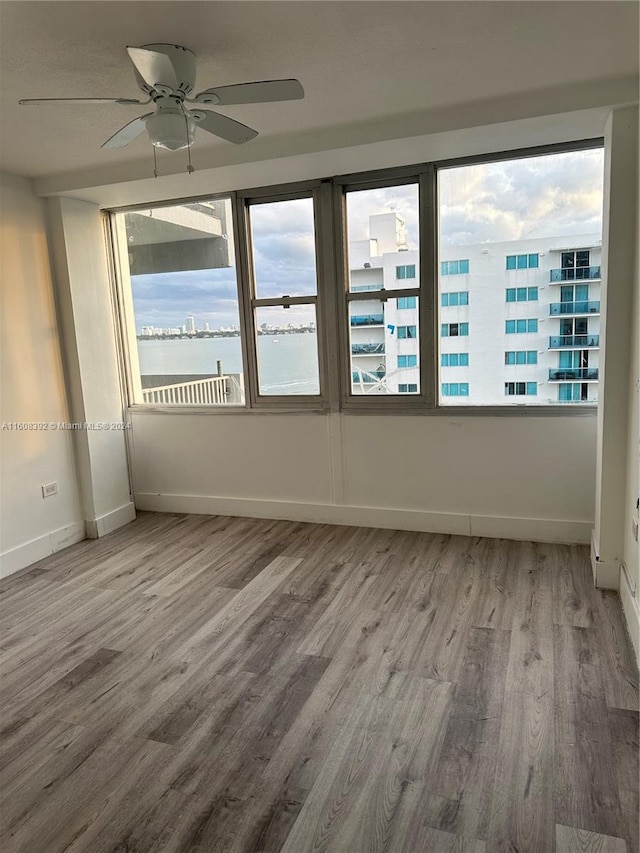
(407, 332)
(454, 330)
(522, 262)
(454, 359)
(455, 389)
(405, 302)
(520, 326)
(454, 267)
(521, 389)
(407, 361)
(460, 297)
(522, 294)
(571, 392)
(407, 388)
(406, 271)
(521, 357)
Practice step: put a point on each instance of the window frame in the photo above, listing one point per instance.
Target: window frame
(331, 304)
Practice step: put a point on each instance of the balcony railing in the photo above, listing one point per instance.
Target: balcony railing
(558, 308)
(568, 374)
(575, 274)
(209, 391)
(367, 349)
(569, 341)
(365, 378)
(367, 320)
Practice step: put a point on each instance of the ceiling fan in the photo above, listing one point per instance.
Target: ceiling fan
(166, 74)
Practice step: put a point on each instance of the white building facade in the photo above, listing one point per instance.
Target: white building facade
(519, 321)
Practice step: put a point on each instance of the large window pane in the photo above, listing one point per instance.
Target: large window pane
(287, 349)
(524, 226)
(283, 241)
(179, 263)
(384, 349)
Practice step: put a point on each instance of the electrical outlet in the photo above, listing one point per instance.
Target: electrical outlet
(49, 489)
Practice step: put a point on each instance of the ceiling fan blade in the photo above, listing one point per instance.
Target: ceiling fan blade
(252, 93)
(156, 69)
(82, 101)
(127, 133)
(224, 127)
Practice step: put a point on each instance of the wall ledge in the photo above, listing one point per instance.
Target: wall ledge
(527, 529)
(43, 546)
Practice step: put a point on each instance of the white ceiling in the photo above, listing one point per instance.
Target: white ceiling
(359, 62)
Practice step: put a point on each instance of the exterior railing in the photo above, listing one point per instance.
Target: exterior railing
(367, 349)
(575, 274)
(367, 320)
(201, 392)
(574, 308)
(567, 374)
(365, 378)
(585, 341)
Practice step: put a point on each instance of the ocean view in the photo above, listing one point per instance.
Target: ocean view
(287, 364)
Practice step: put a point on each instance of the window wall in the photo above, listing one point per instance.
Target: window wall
(441, 285)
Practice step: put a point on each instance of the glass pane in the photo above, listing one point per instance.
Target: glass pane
(287, 348)
(181, 270)
(523, 224)
(384, 346)
(382, 235)
(283, 242)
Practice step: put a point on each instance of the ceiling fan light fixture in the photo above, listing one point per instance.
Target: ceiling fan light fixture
(171, 130)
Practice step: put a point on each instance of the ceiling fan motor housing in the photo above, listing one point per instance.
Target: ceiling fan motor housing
(184, 64)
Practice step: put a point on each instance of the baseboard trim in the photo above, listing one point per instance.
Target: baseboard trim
(43, 546)
(528, 529)
(606, 573)
(631, 610)
(110, 521)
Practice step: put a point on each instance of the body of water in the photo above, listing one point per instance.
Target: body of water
(287, 364)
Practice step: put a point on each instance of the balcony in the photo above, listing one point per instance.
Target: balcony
(367, 320)
(367, 349)
(574, 274)
(364, 378)
(573, 374)
(574, 341)
(193, 390)
(567, 308)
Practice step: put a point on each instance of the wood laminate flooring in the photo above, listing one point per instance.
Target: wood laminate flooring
(209, 684)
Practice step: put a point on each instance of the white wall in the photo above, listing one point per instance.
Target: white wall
(527, 478)
(32, 390)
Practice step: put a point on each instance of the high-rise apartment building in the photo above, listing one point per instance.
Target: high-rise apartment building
(519, 321)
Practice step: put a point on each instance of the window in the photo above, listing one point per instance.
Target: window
(522, 294)
(520, 327)
(521, 357)
(282, 251)
(454, 267)
(407, 361)
(455, 330)
(221, 301)
(382, 235)
(405, 332)
(574, 392)
(455, 389)
(406, 271)
(523, 262)
(521, 389)
(460, 297)
(454, 359)
(406, 302)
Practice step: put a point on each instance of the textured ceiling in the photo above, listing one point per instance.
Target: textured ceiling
(358, 62)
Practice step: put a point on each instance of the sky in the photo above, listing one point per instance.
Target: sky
(545, 196)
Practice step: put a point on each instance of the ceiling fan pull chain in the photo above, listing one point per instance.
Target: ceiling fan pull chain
(155, 162)
(190, 168)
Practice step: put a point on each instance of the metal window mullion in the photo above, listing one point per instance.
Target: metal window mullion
(283, 301)
(428, 241)
(381, 295)
(245, 286)
(327, 288)
(341, 287)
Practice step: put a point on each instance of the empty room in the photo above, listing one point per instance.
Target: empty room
(320, 426)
